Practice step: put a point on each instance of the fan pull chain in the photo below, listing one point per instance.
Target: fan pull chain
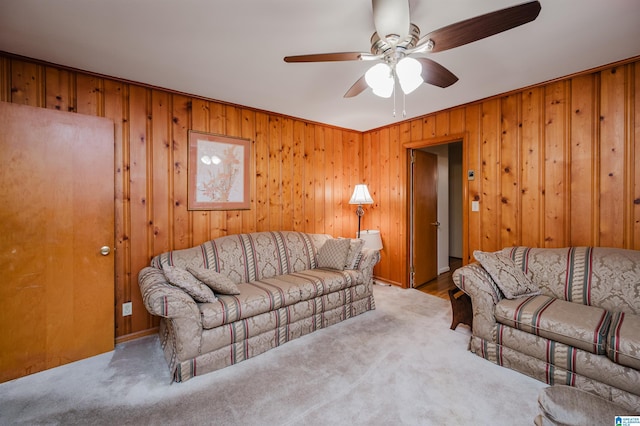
(394, 102)
(404, 104)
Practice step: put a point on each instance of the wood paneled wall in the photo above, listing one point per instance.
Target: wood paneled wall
(555, 164)
(302, 173)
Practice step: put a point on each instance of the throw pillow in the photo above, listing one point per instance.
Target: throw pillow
(215, 280)
(355, 249)
(181, 278)
(511, 279)
(333, 253)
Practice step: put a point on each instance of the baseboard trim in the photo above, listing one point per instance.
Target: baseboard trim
(136, 335)
(444, 270)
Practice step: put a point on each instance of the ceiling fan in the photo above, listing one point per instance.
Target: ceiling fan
(396, 39)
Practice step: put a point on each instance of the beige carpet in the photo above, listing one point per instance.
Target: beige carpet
(397, 365)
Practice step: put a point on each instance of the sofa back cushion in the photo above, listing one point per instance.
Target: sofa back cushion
(249, 257)
(597, 276)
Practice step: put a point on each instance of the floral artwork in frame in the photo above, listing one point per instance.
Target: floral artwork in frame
(218, 172)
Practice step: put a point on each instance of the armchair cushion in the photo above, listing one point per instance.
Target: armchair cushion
(623, 342)
(573, 324)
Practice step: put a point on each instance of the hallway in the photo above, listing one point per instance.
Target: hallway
(440, 285)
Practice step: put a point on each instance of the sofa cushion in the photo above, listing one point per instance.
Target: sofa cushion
(258, 297)
(249, 257)
(191, 285)
(599, 276)
(511, 280)
(573, 324)
(623, 342)
(333, 253)
(215, 280)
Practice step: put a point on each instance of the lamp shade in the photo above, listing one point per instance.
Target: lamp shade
(380, 78)
(409, 73)
(371, 239)
(361, 195)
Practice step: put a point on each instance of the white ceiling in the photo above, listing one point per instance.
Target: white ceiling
(233, 50)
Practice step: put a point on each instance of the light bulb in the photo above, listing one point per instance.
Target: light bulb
(409, 72)
(380, 79)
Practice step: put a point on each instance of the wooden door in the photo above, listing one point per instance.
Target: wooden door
(424, 217)
(57, 192)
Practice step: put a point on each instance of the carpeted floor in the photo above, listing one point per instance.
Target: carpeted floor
(397, 365)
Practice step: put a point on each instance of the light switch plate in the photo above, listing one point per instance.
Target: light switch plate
(475, 206)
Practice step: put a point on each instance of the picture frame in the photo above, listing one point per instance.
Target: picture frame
(218, 172)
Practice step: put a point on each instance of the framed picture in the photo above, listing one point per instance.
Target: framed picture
(218, 172)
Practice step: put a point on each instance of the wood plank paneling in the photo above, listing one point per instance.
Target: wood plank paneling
(490, 161)
(509, 166)
(555, 165)
(612, 157)
(472, 227)
(139, 209)
(584, 145)
(180, 117)
(532, 160)
(26, 83)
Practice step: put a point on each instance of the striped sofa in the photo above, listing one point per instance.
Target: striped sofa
(582, 329)
(283, 294)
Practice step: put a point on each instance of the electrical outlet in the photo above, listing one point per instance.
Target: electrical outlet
(126, 309)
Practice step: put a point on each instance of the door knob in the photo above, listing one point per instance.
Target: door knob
(105, 250)
(436, 223)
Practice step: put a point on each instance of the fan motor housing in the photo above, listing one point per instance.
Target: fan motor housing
(392, 47)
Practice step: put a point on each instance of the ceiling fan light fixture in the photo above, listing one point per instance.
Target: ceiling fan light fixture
(409, 71)
(380, 78)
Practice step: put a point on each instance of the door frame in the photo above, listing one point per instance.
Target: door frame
(424, 143)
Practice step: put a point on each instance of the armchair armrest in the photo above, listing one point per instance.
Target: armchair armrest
(368, 260)
(478, 284)
(165, 300)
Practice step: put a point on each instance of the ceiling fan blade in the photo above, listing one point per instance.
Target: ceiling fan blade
(391, 17)
(436, 74)
(483, 26)
(327, 57)
(357, 88)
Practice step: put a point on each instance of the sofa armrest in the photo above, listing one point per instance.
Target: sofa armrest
(165, 300)
(478, 284)
(368, 260)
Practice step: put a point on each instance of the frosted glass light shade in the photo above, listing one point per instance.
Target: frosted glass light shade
(361, 195)
(380, 78)
(371, 239)
(409, 72)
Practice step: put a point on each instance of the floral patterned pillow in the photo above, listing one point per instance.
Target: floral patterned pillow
(215, 280)
(181, 278)
(333, 253)
(511, 280)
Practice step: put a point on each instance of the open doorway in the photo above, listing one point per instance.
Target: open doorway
(448, 224)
